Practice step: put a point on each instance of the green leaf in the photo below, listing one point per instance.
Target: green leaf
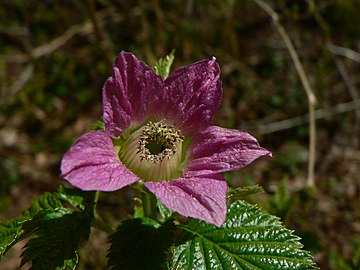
(162, 66)
(282, 202)
(73, 196)
(12, 231)
(249, 239)
(164, 211)
(138, 245)
(98, 125)
(84, 200)
(55, 244)
(241, 192)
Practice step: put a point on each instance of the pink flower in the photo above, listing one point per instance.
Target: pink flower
(159, 132)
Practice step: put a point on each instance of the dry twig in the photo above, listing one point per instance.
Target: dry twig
(46, 49)
(305, 82)
(346, 52)
(57, 43)
(353, 93)
(264, 127)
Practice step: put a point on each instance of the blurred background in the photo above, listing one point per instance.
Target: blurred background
(56, 55)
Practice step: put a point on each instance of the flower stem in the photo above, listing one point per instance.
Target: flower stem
(149, 205)
(96, 221)
(99, 224)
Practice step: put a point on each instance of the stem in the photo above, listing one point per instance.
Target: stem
(96, 220)
(149, 205)
(99, 224)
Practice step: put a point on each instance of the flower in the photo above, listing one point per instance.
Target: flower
(159, 132)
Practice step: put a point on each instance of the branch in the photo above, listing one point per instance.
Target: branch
(353, 93)
(346, 52)
(267, 128)
(306, 85)
(56, 43)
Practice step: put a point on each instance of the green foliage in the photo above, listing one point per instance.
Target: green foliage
(165, 213)
(249, 239)
(73, 196)
(56, 230)
(240, 192)
(356, 253)
(12, 231)
(98, 125)
(138, 245)
(9, 175)
(292, 157)
(281, 202)
(337, 262)
(55, 243)
(84, 200)
(162, 66)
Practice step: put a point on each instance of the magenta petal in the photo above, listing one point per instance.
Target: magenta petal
(92, 164)
(143, 88)
(217, 150)
(202, 198)
(116, 106)
(193, 96)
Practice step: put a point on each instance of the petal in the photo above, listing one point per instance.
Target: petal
(217, 150)
(92, 164)
(116, 106)
(198, 197)
(142, 89)
(193, 96)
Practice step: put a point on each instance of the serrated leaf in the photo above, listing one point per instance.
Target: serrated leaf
(249, 239)
(162, 66)
(69, 264)
(71, 195)
(12, 231)
(241, 192)
(164, 211)
(55, 244)
(45, 203)
(84, 200)
(136, 245)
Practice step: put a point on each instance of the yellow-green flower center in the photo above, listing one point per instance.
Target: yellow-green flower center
(153, 151)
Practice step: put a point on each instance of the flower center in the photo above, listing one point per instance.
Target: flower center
(153, 151)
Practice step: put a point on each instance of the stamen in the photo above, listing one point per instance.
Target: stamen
(153, 151)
